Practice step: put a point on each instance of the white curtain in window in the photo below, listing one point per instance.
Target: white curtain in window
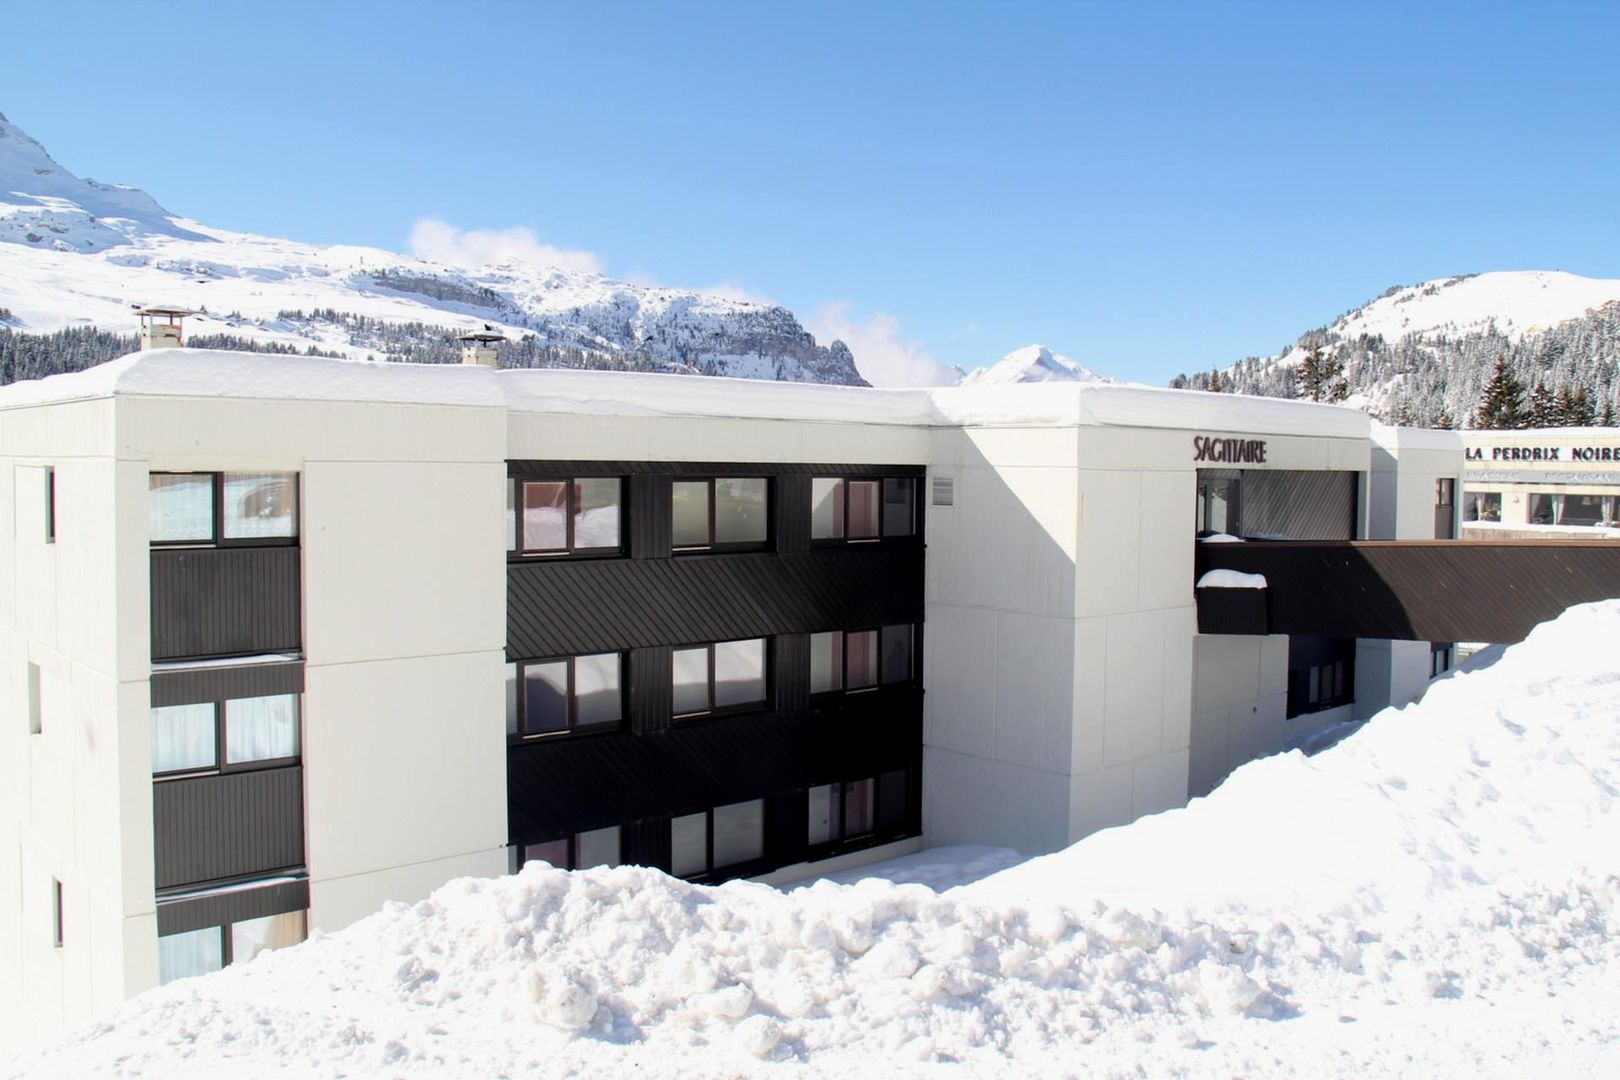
(599, 847)
(596, 513)
(182, 507)
(183, 737)
(739, 832)
(261, 728)
(739, 672)
(260, 505)
(689, 845)
(596, 689)
(196, 952)
(251, 937)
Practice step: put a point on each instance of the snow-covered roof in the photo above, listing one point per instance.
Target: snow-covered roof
(1408, 438)
(225, 374)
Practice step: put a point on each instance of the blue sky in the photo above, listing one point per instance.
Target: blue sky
(1148, 188)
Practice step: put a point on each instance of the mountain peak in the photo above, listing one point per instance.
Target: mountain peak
(1032, 364)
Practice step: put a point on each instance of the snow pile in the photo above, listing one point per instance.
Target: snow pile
(1231, 579)
(1436, 895)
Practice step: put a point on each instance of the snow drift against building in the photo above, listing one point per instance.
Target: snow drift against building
(1434, 896)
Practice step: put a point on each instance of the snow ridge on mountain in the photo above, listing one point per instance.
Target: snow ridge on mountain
(75, 252)
(1031, 364)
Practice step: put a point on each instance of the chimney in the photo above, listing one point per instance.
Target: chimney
(482, 347)
(160, 326)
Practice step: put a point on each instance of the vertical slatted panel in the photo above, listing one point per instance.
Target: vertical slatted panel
(649, 519)
(646, 843)
(792, 513)
(791, 655)
(787, 826)
(652, 691)
(217, 827)
(224, 602)
(1299, 504)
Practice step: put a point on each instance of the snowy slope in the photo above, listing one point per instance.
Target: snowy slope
(1436, 896)
(1032, 363)
(75, 252)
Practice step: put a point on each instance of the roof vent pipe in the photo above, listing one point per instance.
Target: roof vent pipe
(482, 347)
(160, 326)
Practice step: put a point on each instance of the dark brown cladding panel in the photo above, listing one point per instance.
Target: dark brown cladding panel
(224, 602)
(587, 782)
(562, 608)
(235, 905)
(237, 824)
(1420, 590)
(216, 683)
(1298, 504)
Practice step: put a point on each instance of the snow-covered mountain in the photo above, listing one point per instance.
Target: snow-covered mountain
(1421, 353)
(1032, 363)
(77, 253)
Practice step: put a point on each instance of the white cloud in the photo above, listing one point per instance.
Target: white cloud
(882, 356)
(438, 241)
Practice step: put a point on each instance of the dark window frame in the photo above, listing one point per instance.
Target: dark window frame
(516, 550)
(746, 868)
(763, 704)
(219, 539)
(573, 847)
(1442, 658)
(226, 950)
(843, 687)
(712, 546)
(914, 534)
(839, 841)
(571, 704)
(223, 768)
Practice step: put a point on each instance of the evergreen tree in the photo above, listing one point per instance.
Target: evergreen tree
(1501, 405)
(1216, 386)
(1321, 377)
(1542, 410)
(1445, 421)
(1608, 414)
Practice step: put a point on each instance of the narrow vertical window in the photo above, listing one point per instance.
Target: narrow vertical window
(826, 662)
(36, 719)
(860, 659)
(596, 514)
(865, 509)
(545, 516)
(896, 654)
(689, 844)
(50, 504)
(56, 913)
(690, 501)
(826, 508)
(898, 516)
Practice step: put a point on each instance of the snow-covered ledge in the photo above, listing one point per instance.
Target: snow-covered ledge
(1231, 579)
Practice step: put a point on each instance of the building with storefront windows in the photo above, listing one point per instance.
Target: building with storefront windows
(294, 637)
(1536, 483)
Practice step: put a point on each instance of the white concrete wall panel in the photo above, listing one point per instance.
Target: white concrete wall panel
(1034, 704)
(960, 652)
(974, 801)
(338, 902)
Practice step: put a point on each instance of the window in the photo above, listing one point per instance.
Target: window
(582, 851)
(860, 808)
(576, 693)
(1321, 673)
(1440, 654)
(210, 948)
(860, 659)
(242, 733)
(1541, 509)
(1445, 510)
(729, 675)
(721, 513)
(715, 839)
(56, 913)
(50, 504)
(1581, 510)
(862, 509)
(36, 718)
(564, 517)
(1482, 506)
(222, 508)
(1218, 505)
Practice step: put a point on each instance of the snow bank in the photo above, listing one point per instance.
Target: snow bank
(1231, 579)
(1449, 868)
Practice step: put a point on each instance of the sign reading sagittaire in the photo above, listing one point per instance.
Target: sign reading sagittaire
(1248, 451)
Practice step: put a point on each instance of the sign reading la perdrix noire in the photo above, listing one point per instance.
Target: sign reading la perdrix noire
(1245, 451)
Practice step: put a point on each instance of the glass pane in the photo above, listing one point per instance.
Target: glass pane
(261, 728)
(596, 690)
(691, 668)
(511, 699)
(739, 672)
(554, 852)
(1582, 510)
(896, 654)
(826, 662)
(1444, 491)
(545, 504)
(897, 515)
(254, 936)
(261, 504)
(857, 808)
(1218, 508)
(183, 737)
(689, 845)
(596, 514)
(826, 509)
(1541, 510)
(511, 515)
(739, 832)
(823, 812)
(863, 509)
(860, 659)
(545, 697)
(739, 511)
(599, 847)
(182, 507)
(195, 952)
(893, 789)
(691, 510)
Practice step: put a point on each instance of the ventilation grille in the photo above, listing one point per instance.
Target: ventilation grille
(944, 491)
